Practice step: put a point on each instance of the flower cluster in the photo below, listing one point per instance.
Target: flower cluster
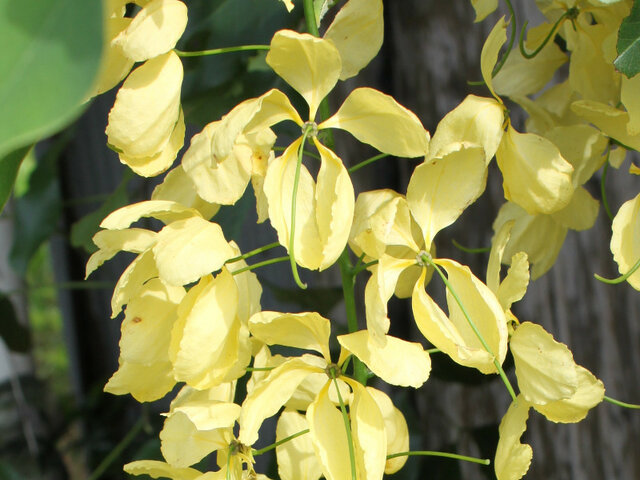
(192, 312)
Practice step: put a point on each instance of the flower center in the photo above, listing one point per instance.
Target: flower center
(423, 258)
(310, 129)
(333, 371)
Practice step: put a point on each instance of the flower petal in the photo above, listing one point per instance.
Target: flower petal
(154, 30)
(545, 368)
(145, 383)
(178, 187)
(484, 8)
(110, 242)
(378, 120)
(369, 435)
(132, 281)
(475, 121)
(441, 189)
(308, 331)
(147, 107)
(512, 457)
(188, 249)
(158, 469)
(164, 210)
(611, 121)
(357, 32)
(296, 458)
(398, 362)
(334, 205)
(489, 55)
(625, 243)
(309, 64)
(536, 176)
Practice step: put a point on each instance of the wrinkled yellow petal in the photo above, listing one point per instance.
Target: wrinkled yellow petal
(398, 362)
(335, 202)
(147, 107)
(154, 30)
(582, 146)
(381, 218)
(146, 328)
(309, 64)
(590, 392)
(206, 334)
(164, 210)
(188, 249)
(498, 244)
(161, 161)
(132, 281)
(182, 444)
(539, 236)
(617, 157)
(206, 414)
(296, 458)
(631, 101)
(454, 335)
(267, 397)
(114, 65)
(441, 189)
(484, 8)
(329, 437)
(476, 121)
(545, 368)
(379, 289)
(512, 457)
(378, 120)
(178, 187)
(308, 331)
(611, 121)
(535, 175)
(145, 383)
(590, 73)
(489, 55)
(158, 469)
(580, 213)
(625, 239)
(249, 288)
(396, 430)
(369, 435)
(514, 285)
(278, 188)
(110, 242)
(357, 32)
(521, 76)
(217, 179)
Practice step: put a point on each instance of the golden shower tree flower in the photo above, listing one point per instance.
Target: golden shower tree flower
(625, 240)
(324, 209)
(310, 331)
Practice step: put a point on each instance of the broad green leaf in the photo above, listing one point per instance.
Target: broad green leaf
(9, 166)
(38, 210)
(50, 55)
(628, 46)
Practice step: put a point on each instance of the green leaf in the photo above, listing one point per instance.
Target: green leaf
(15, 335)
(84, 229)
(628, 60)
(51, 52)
(37, 212)
(9, 166)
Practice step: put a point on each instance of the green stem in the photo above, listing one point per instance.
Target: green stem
(261, 264)
(259, 369)
(481, 461)
(363, 266)
(279, 442)
(294, 202)
(348, 291)
(253, 252)
(552, 33)
(621, 404)
(433, 350)
(310, 18)
(603, 189)
(347, 426)
(621, 278)
(514, 33)
(217, 51)
(306, 152)
(366, 162)
(118, 449)
(503, 375)
(470, 250)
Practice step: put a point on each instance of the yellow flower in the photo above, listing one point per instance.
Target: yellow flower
(324, 209)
